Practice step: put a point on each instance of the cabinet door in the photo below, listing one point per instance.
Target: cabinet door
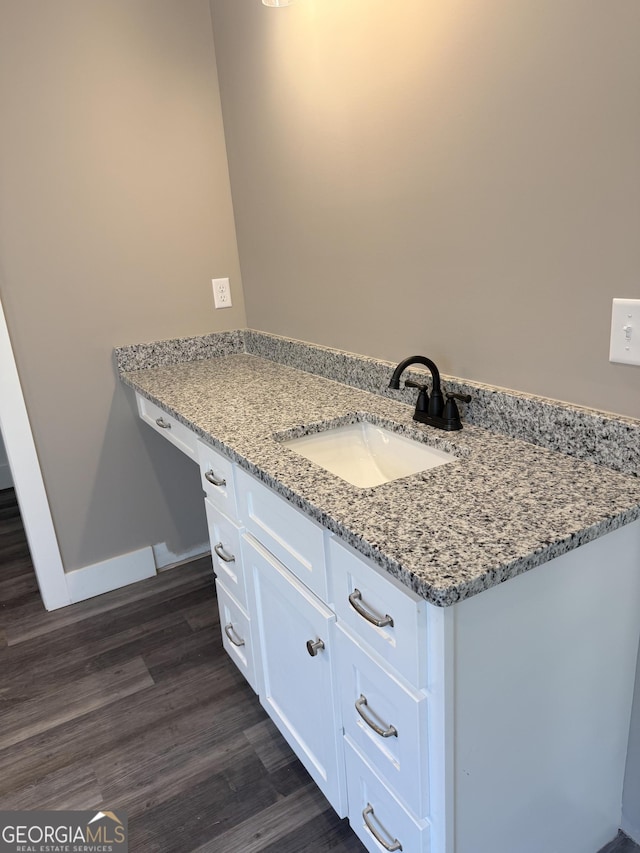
(294, 635)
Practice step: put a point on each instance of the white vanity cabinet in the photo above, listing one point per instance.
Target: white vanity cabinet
(498, 723)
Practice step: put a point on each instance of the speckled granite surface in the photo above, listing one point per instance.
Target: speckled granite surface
(177, 350)
(600, 437)
(501, 508)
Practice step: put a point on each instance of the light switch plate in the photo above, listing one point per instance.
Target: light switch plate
(625, 331)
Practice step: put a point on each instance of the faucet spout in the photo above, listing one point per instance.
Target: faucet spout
(436, 401)
(431, 410)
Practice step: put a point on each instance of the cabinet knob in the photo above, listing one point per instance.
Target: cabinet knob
(314, 646)
(163, 424)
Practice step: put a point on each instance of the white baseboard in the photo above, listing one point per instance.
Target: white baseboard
(167, 559)
(6, 480)
(110, 574)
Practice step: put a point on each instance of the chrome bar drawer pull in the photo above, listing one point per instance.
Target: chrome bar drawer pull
(232, 635)
(215, 481)
(367, 814)
(361, 704)
(379, 621)
(163, 424)
(227, 558)
(314, 646)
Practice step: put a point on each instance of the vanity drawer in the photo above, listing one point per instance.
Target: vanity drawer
(386, 720)
(226, 554)
(236, 634)
(178, 434)
(389, 617)
(216, 473)
(374, 810)
(286, 532)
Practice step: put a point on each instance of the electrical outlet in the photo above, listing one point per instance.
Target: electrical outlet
(221, 292)
(625, 331)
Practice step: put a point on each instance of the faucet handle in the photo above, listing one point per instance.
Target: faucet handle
(465, 398)
(422, 403)
(451, 412)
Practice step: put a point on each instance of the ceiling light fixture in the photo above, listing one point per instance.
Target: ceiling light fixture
(277, 2)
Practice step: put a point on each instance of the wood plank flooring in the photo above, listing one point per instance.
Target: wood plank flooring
(128, 701)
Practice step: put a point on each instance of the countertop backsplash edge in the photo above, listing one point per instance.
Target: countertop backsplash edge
(604, 438)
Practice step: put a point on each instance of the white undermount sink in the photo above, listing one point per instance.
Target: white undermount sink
(365, 454)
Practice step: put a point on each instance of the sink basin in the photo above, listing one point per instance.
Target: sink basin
(366, 454)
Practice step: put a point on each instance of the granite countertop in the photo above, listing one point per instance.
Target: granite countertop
(500, 508)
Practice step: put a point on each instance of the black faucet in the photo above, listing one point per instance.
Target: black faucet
(432, 409)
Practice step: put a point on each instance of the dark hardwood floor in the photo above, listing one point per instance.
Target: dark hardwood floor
(128, 701)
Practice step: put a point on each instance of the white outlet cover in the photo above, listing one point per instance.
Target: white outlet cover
(625, 331)
(221, 292)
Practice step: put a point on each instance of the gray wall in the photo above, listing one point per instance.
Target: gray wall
(115, 213)
(458, 179)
